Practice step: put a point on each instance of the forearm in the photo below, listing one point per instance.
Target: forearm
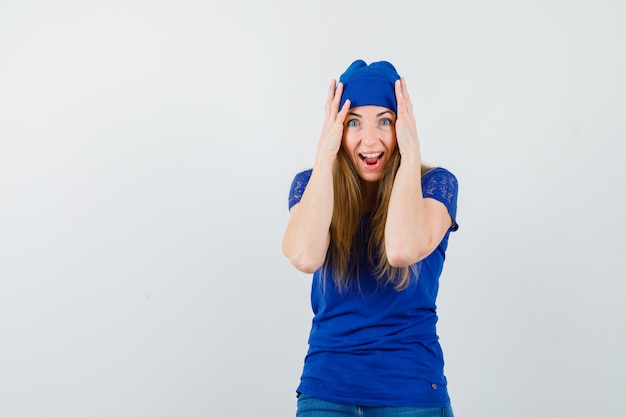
(408, 237)
(307, 236)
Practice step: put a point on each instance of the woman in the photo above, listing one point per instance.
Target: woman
(371, 222)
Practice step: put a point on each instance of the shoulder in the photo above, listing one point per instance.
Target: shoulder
(306, 174)
(440, 173)
(301, 179)
(440, 184)
(298, 185)
(439, 178)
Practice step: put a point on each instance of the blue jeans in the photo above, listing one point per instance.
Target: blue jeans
(309, 406)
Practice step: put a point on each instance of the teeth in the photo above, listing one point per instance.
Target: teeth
(371, 155)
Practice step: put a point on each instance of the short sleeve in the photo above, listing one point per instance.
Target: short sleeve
(441, 185)
(298, 185)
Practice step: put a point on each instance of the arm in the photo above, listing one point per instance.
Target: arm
(415, 225)
(307, 236)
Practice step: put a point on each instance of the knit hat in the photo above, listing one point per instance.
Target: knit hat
(370, 85)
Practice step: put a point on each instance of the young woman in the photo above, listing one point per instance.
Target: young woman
(371, 222)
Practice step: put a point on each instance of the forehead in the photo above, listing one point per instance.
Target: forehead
(371, 111)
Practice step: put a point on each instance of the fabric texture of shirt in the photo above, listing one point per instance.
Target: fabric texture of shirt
(372, 345)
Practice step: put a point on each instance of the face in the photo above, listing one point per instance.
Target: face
(369, 137)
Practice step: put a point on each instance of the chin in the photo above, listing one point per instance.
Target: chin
(370, 176)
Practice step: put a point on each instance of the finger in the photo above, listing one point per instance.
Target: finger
(341, 116)
(407, 96)
(331, 95)
(402, 95)
(337, 98)
(398, 87)
(399, 95)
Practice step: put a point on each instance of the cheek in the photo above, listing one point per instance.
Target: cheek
(348, 142)
(390, 141)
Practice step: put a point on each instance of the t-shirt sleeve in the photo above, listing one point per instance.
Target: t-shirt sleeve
(298, 185)
(441, 185)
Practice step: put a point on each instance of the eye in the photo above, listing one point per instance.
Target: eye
(353, 123)
(385, 122)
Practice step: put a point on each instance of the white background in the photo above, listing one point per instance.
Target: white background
(147, 149)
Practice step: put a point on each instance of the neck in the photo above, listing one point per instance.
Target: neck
(369, 191)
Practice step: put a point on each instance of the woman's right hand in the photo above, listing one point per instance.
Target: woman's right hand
(332, 130)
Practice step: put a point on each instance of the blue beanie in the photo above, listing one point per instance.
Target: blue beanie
(370, 85)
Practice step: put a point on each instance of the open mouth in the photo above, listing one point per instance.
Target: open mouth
(371, 159)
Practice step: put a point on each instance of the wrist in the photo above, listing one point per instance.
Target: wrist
(412, 158)
(324, 161)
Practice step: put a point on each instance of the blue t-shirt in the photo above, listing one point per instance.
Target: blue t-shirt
(372, 345)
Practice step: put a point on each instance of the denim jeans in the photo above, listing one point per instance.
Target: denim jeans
(309, 406)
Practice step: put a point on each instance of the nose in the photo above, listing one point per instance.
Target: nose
(370, 134)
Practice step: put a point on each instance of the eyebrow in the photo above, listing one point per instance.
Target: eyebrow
(378, 115)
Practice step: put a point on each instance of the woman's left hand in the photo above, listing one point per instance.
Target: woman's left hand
(406, 126)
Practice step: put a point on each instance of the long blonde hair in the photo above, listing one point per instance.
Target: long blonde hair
(342, 256)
